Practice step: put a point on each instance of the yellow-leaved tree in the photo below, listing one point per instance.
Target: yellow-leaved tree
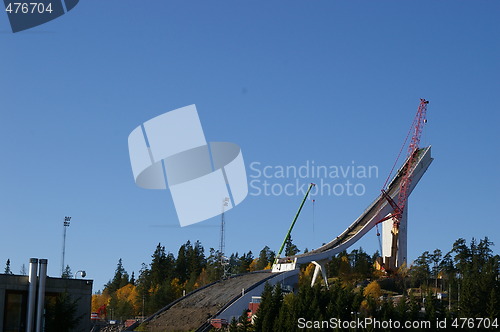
(128, 293)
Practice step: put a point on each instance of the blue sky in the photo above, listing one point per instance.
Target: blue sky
(334, 82)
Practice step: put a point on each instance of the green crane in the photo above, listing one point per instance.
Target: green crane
(293, 222)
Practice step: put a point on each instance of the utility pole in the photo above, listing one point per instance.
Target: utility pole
(65, 226)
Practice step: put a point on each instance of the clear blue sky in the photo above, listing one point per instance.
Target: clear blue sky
(334, 82)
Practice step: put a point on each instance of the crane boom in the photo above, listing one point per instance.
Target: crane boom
(294, 220)
(412, 151)
(405, 183)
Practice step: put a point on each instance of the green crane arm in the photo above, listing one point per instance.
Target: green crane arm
(294, 220)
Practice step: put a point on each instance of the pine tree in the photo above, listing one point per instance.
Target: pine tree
(67, 273)
(181, 267)
(492, 309)
(402, 309)
(266, 256)
(196, 259)
(264, 307)
(233, 325)
(420, 271)
(7, 267)
(119, 280)
(287, 318)
(435, 258)
(430, 307)
(162, 265)
(290, 248)
(414, 308)
(277, 300)
(245, 324)
(244, 262)
(60, 315)
(213, 268)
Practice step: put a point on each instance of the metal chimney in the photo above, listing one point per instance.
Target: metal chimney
(41, 295)
(31, 293)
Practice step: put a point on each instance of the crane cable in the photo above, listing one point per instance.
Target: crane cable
(400, 151)
(314, 237)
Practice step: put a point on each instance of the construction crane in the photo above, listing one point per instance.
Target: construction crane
(404, 184)
(276, 262)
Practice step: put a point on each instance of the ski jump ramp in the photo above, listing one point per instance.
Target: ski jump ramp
(368, 219)
(287, 267)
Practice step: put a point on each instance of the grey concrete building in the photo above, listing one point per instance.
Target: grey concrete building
(17, 292)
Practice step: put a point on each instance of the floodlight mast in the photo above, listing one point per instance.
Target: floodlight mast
(65, 225)
(293, 222)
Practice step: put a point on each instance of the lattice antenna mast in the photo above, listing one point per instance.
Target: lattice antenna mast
(222, 245)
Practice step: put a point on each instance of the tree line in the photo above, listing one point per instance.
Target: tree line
(168, 277)
(463, 283)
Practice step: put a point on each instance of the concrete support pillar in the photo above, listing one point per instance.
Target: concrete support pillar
(386, 238)
(403, 239)
(31, 295)
(401, 256)
(319, 267)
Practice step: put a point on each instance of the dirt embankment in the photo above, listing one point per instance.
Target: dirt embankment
(193, 311)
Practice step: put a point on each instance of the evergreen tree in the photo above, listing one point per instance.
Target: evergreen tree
(181, 268)
(244, 262)
(387, 310)
(233, 325)
(262, 313)
(413, 308)
(362, 264)
(60, 314)
(162, 265)
(290, 248)
(7, 267)
(420, 271)
(213, 266)
(462, 255)
(244, 322)
(344, 266)
(266, 256)
(119, 280)
(234, 263)
(492, 309)
(401, 310)
(448, 269)
(143, 286)
(430, 307)
(287, 318)
(435, 258)
(196, 258)
(67, 273)
(269, 323)
(132, 279)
